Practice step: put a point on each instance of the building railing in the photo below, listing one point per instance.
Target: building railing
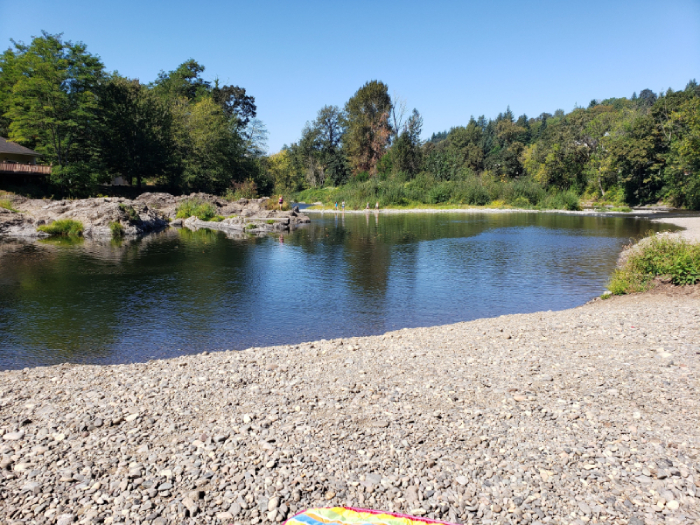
(11, 167)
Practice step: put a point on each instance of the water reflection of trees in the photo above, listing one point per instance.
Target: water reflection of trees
(64, 301)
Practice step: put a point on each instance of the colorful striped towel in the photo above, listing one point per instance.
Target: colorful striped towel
(351, 516)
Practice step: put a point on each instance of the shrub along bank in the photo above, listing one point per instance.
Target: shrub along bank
(667, 258)
(425, 190)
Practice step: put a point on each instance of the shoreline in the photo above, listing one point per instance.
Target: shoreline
(475, 210)
(690, 225)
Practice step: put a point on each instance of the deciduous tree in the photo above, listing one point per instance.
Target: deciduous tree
(53, 106)
(368, 128)
(135, 131)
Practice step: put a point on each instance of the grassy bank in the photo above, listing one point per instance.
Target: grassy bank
(658, 257)
(63, 228)
(427, 192)
(204, 211)
(7, 205)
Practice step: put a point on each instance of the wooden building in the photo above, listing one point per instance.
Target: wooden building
(18, 160)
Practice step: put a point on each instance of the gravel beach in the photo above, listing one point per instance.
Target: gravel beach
(691, 225)
(585, 415)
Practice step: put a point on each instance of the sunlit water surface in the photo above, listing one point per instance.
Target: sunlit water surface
(183, 292)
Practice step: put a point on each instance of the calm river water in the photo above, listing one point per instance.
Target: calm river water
(185, 292)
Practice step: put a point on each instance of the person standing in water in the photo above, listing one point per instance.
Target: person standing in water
(343, 205)
(376, 206)
(336, 205)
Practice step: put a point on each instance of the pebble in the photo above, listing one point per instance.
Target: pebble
(65, 519)
(455, 423)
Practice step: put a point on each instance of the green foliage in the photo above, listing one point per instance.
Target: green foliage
(135, 131)
(207, 148)
(270, 221)
(439, 194)
(242, 190)
(564, 200)
(520, 202)
(684, 158)
(368, 129)
(406, 155)
(53, 104)
(616, 152)
(204, 211)
(425, 190)
(117, 230)
(4, 203)
(273, 204)
(63, 228)
(675, 260)
(181, 131)
(131, 214)
(318, 156)
(622, 209)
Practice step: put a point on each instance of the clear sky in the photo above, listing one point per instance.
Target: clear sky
(448, 59)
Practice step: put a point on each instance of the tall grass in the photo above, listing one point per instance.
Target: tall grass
(672, 259)
(63, 228)
(117, 230)
(424, 189)
(204, 211)
(7, 204)
(131, 213)
(272, 203)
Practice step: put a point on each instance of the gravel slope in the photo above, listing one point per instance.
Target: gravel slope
(585, 415)
(691, 225)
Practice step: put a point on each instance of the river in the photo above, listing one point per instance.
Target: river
(185, 292)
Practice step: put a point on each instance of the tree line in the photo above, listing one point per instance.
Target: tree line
(188, 134)
(180, 131)
(638, 150)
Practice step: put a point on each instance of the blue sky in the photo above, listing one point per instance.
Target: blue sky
(448, 59)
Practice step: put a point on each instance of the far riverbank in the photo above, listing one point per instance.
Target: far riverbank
(646, 212)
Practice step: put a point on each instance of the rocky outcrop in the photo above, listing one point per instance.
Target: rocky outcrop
(14, 224)
(96, 215)
(237, 225)
(243, 208)
(150, 212)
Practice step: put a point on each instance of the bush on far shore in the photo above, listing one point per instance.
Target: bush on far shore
(425, 190)
(668, 258)
(272, 203)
